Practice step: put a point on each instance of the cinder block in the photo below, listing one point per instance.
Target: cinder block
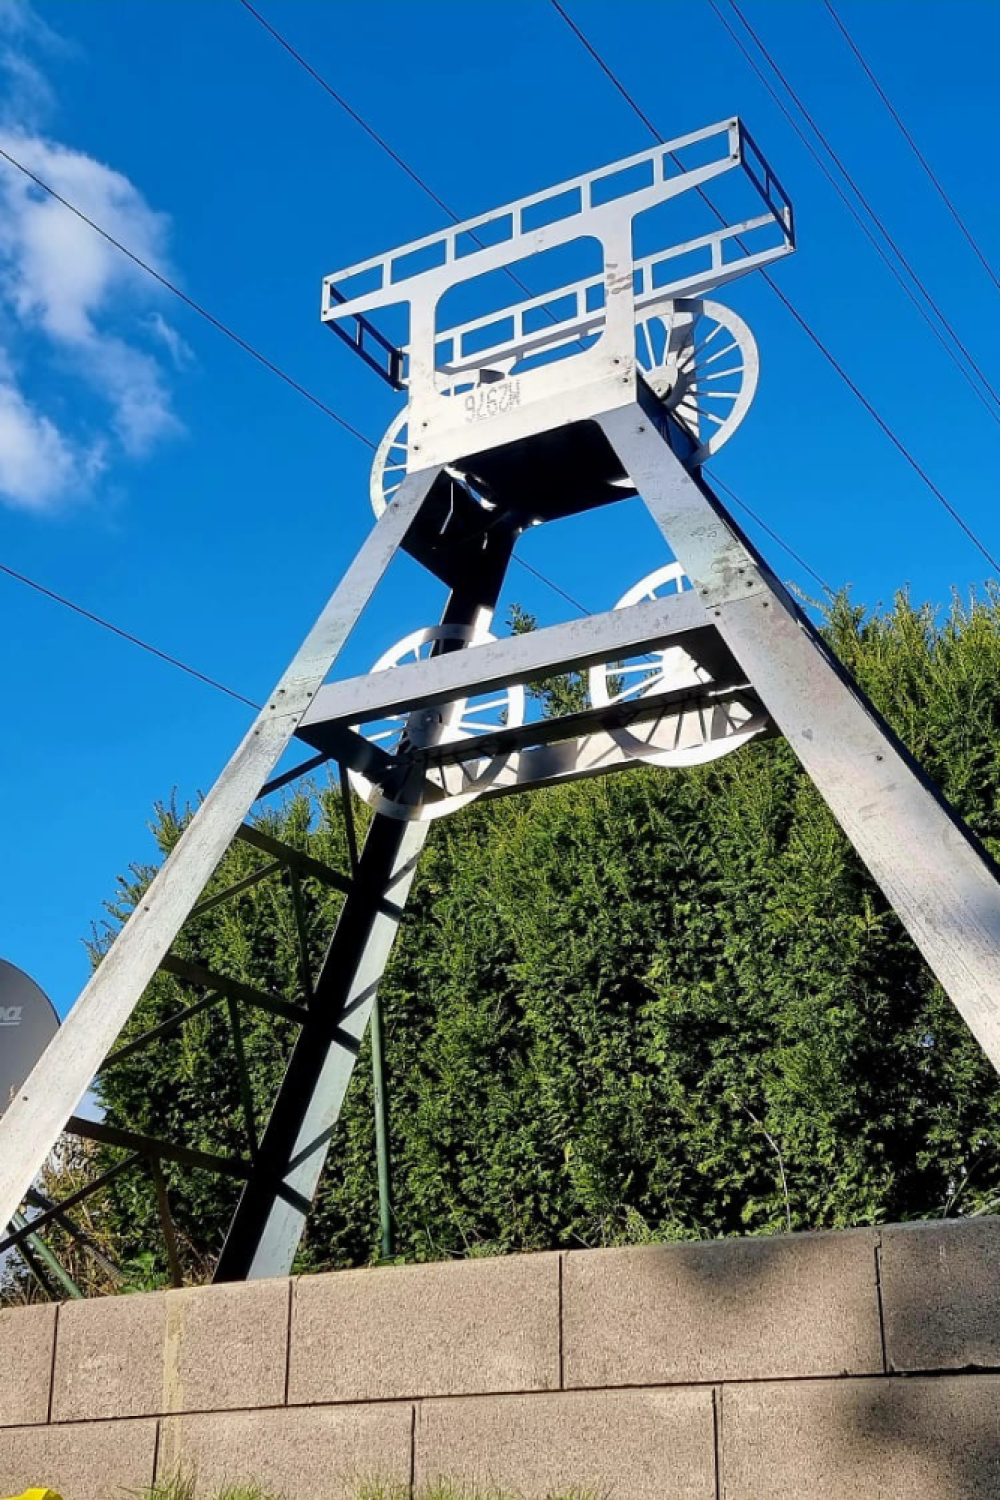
(941, 1294)
(625, 1445)
(314, 1453)
(734, 1309)
(92, 1461)
(109, 1358)
(204, 1348)
(436, 1330)
(26, 1335)
(936, 1439)
(226, 1347)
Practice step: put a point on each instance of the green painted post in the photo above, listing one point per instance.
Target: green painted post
(49, 1261)
(381, 1130)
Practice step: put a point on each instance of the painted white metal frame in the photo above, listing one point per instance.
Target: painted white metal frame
(465, 390)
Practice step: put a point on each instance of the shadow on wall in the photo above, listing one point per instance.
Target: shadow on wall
(858, 1363)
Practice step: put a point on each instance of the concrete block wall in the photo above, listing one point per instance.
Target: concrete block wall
(862, 1363)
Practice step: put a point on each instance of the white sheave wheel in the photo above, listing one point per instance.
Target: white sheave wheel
(389, 463)
(701, 360)
(451, 786)
(690, 732)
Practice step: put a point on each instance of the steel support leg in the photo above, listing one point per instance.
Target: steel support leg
(272, 1211)
(33, 1122)
(934, 872)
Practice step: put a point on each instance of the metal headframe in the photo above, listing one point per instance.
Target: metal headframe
(540, 406)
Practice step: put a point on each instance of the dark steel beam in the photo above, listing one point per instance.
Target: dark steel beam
(271, 1215)
(207, 979)
(151, 1146)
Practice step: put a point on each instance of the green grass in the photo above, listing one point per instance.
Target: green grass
(183, 1487)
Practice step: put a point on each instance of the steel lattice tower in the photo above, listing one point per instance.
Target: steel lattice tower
(614, 383)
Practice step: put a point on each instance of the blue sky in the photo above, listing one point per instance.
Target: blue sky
(157, 475)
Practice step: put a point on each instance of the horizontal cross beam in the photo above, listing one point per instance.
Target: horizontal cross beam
(588, 721)
(677, 619)
(595, 754)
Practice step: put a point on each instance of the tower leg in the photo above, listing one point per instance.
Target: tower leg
(934, 872)
(33, 1122)
(272, 1211)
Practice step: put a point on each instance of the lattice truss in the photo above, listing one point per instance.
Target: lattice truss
(556, 355)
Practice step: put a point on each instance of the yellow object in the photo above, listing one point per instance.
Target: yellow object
(37, 1495)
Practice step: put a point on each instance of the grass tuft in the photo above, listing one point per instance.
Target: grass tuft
(182, 1486)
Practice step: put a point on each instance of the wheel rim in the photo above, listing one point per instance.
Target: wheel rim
(390, 463)
(701, 360)
(688, 733)
(466, 718)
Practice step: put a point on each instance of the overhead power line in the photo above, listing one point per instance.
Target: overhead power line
(261, 359)
(130, 636)
(415, 177)
(379, 140)
(934, 179)
(126, 635)
(816, 577)
(991, 407)
(852, 183)
(799, 318)
(347, 108)
(197, 307)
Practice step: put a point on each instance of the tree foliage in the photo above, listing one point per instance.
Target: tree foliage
(661, 1005)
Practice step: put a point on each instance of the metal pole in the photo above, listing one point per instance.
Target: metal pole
(48, 1259)
(381, 1130)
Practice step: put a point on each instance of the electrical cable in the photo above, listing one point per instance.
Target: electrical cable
(202, 312)
(863, 200)
(945, 199)
(255, 354)
(992, 407)
(126, 635)
(379, 140)
(803, 324)
(415, 177)
(721, 484)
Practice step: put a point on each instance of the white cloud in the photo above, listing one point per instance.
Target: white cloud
(37, 464)
(75, 307)
(179, 349)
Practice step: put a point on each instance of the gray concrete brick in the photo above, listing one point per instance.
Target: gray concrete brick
(26, 1335)
(876, 1439)
(941, 1294)
(109, 1358)
(92, 1461)
(626, 1445)
(467, 1327)
(313, 1453)
(196, 1349)
(733, 1309)
(225, 1347)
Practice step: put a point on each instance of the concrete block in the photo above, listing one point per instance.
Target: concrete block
(92, 1461)
(893, 1439)
(465, 1327)
(626, 1445)
(26, 1338)
(204, 1348)
(109, 1358)
(732, 1309)
(314, 1453)
(941, 1294)
(226, 1347)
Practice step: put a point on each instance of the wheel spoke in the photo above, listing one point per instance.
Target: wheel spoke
(719, 353)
